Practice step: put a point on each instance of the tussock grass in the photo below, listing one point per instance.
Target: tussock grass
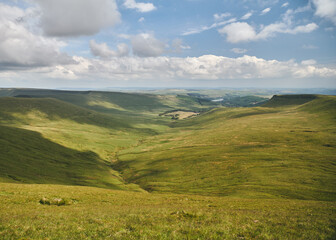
(108, 214)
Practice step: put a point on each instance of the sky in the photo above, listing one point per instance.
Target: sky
(167, 43)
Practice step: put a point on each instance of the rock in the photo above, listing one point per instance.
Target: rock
(44, 201)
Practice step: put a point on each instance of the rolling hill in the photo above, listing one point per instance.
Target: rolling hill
(285, 149)
(265, 172)
(45, 140)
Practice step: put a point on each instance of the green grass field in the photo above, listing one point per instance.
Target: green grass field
(265, 172)
(92, 213)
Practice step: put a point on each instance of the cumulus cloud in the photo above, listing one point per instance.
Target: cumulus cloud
(20, 48)
(239, 50)
(309, 62)
(326, 9)
(207, 67)
(247, 16)
(64, 18)
(142, 19)
(103, 51)
(146, 45)
(238, 32)
(140, 7)
(266, 10)
(243, 32)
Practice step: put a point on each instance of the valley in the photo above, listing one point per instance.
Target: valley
(198, 168)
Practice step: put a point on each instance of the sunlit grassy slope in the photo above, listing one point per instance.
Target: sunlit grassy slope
(93, 213)
(286, 149)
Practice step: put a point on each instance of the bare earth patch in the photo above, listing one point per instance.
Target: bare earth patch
(181, 114)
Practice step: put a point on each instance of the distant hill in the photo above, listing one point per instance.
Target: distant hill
(115, 102)
(286, 100)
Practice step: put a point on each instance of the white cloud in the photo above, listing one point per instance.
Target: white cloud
(220, 16)
(146, 45)
(247, 16)
(309, 62)
(103, 51)
(285, 4)
(238, 32)
(239, 50)
(20, 48)
(266, 10)
(142, 19)
(140, 7)
(207, 67)
(77, 17)
(289, 15)
(326, 9)
(243, 32)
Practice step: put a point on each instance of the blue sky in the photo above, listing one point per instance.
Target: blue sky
(160, 43)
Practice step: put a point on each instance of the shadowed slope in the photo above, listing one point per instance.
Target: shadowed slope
(287, 100)
(27, 157)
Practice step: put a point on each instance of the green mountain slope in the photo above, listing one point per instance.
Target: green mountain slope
(287, 100)
(27, 157)
(116, 102)
(282, 150)
(46, 140)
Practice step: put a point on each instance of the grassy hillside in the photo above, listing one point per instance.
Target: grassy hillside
(45, 140)
(116, 102)
(92, 213)
(27, 157)
(287, 100)
(244, 169)
(286, 149)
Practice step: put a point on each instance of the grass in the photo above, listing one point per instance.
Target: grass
(27, 157)
(92, 213)
(49, 141)
(265, 152)
(266, 172)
